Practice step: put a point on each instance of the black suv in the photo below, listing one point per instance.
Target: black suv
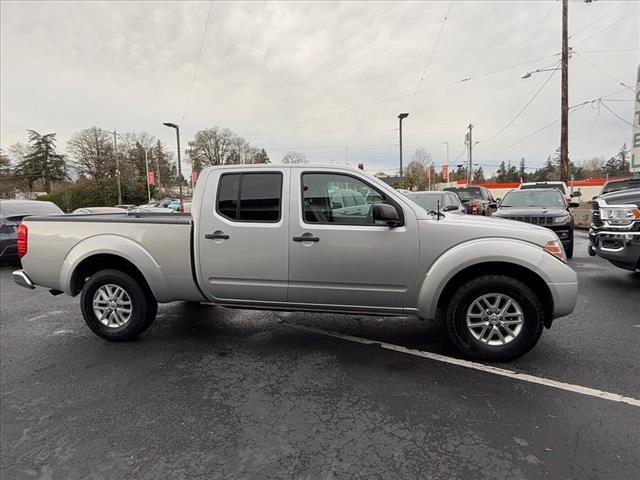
(615, 228)
(545, 207)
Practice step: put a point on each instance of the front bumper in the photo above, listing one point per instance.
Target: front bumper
(622, 247)
(21, 278)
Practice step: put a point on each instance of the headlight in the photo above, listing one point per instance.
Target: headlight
(562, 219)
(554, 247)
(622, 215)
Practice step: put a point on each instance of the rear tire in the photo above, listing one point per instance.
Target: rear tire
(482, 335)
(116, 307)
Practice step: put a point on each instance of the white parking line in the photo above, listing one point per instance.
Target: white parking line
(46, 315)
(592, 392)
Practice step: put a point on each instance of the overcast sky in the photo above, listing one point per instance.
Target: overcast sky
(323, 77)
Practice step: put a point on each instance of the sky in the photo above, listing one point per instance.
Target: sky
(325, 78)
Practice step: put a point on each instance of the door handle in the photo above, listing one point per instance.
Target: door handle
(306, 237)
(217, 235)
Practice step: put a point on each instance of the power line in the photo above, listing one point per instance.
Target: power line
(398, 97)
(195, 70)
(571, 110)
(605, 72)
(624, 17)
(435, 45)
(600, 17)
(522, 109)
(615, 114)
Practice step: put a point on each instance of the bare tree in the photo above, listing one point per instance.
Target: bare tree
(92, 152)
(294, 157)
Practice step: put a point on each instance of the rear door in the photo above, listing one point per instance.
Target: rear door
(243, 231)
(342, 259)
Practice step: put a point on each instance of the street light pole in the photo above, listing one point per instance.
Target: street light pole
(115, 148)
(564, 126)
(470, 174)
(173, 125)
(401, 117)
(146, 165)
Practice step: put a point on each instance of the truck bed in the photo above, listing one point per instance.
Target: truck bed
(164, 239)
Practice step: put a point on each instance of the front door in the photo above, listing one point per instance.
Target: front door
(242, 236)
(338, 255)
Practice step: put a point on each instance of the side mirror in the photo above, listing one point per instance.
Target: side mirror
(577, 193)
(449, 208)
(498, 200)
(493, 205)
(336, 205)
(574, 204)
(385, 213)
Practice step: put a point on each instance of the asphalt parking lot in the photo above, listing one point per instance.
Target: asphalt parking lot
(215, 393)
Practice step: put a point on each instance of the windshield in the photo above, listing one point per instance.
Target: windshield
(428, 201)
(28, 208)
(620, 185)
(558, 186)
(467, 193)
(533, 198)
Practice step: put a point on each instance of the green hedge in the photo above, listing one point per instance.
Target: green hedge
(104, 193)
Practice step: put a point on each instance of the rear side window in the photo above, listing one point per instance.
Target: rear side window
(250, 197)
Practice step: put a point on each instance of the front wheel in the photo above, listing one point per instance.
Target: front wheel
(494, 318)
(569, 249)
(116, 307)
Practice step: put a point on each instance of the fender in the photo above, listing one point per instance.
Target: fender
(122, 247)
(475, 252)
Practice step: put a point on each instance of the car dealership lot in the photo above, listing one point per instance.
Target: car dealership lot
(215, 393)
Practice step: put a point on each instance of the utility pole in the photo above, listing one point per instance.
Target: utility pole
(564, 126)
(115, 147)
(470, 173)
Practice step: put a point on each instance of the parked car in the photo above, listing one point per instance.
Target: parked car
(267, 236)
(617, 185)
(174, 205)
(476, 199)
(89, 210)
(614, 233)
(151, 210)
(545, 207)
(11, 214)
(558, 185)
(126, 206)
(432, 201)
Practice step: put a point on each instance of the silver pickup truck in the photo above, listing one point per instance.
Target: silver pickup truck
(274, 237)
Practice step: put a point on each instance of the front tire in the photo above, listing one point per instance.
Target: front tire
(116, 307)
(569, 249)
(494, 318)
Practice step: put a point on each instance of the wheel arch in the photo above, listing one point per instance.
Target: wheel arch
(92, 255)
(532, 279)
(105, 261)
(514, 258)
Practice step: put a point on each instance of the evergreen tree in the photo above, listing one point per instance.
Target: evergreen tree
(42, 163)
(501, 172)
(522, 170)
(261, 157)
(478, 175)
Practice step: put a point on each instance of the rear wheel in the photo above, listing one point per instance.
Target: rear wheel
(116, 307)
(494, 318)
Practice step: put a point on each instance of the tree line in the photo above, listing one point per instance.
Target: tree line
(420, 172)
(84, 172)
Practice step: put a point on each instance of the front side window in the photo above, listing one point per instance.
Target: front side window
(250, 197)
(336, 198)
